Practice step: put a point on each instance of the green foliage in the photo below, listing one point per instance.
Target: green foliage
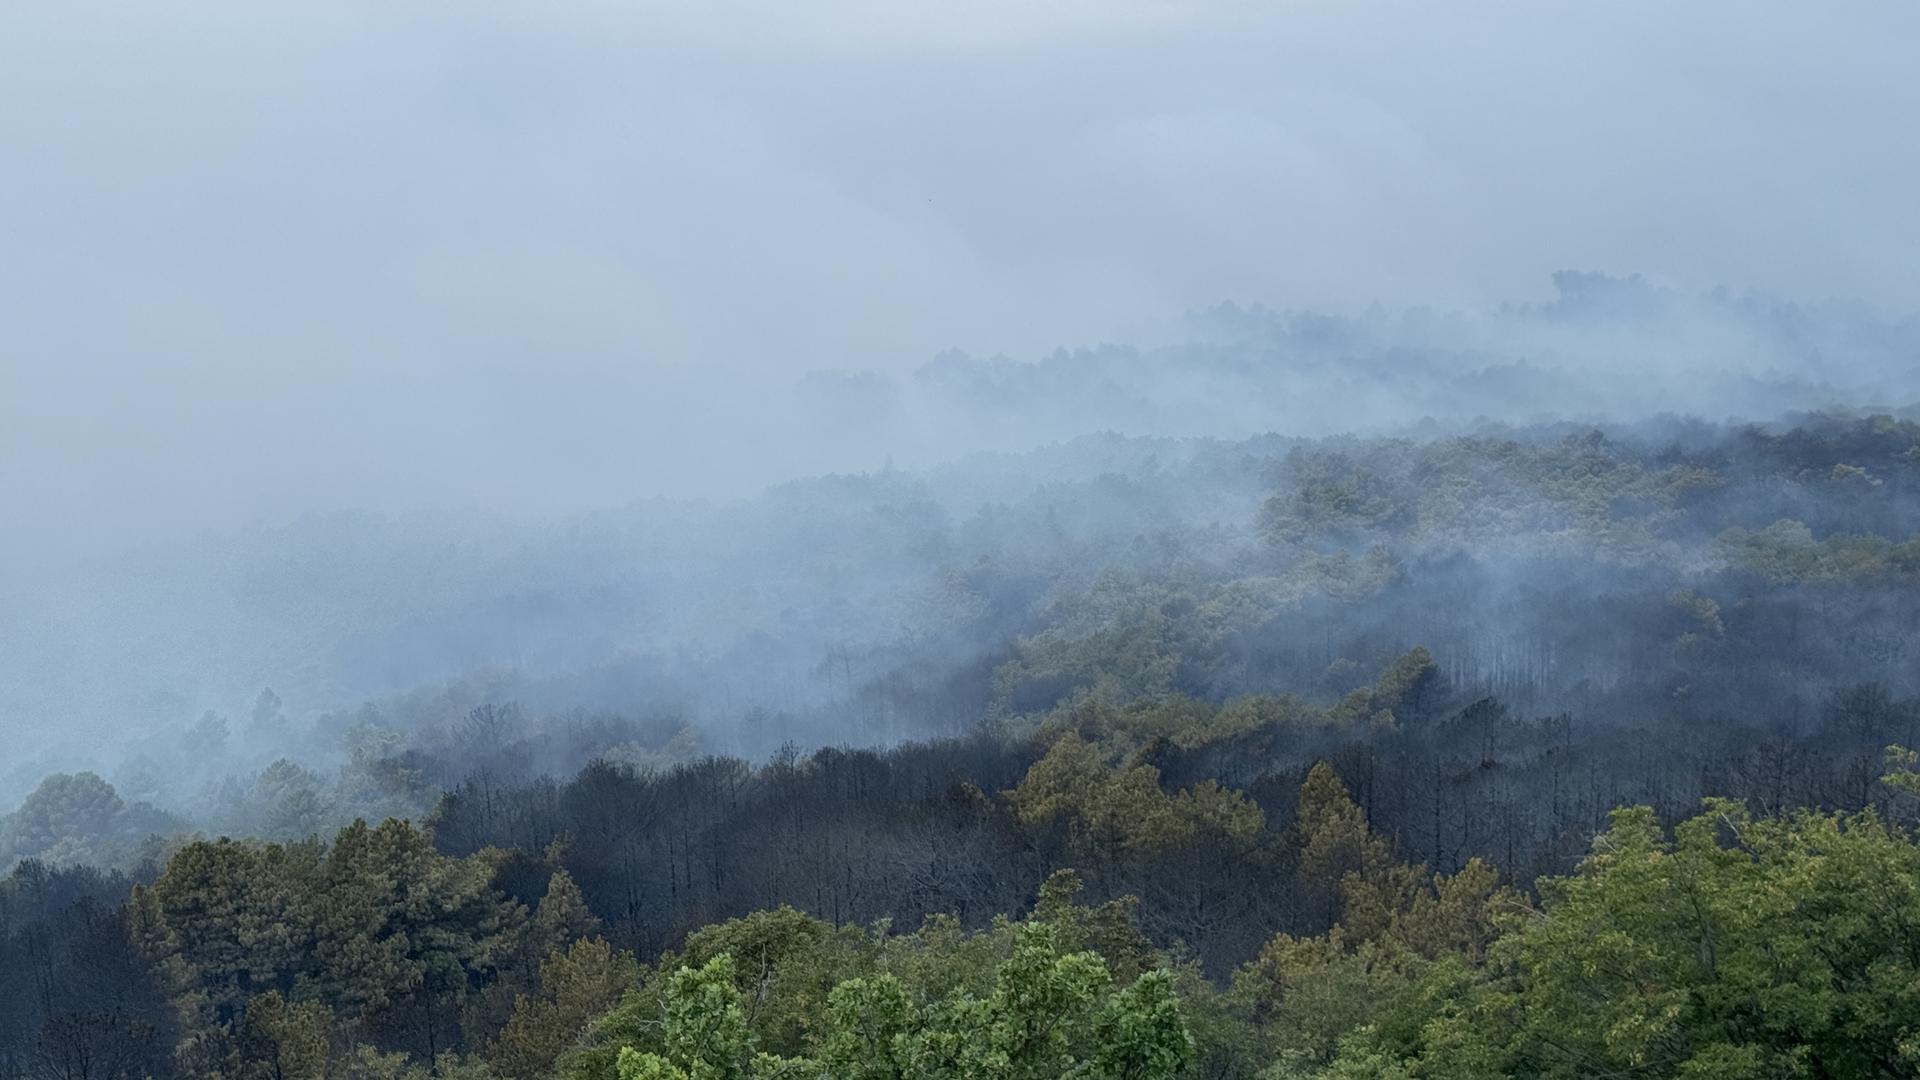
(562, 916)
(377, 782)
(1786, 552)
(1739, 947)
(1305, 1000)
(391, 935)
(1740, 942)
(1332, 838)
(1128, 640)
(1903, 770)
(577, 984)
(1050, 1015)
(290, 803)
(705, 1029)
(1409, 688)
(1125, 811)
(1328, 507)
(364, 1062)
(785, 963)
(282, 1040)
(74, 819)
(1582, 494)
(395, 921)
(1110, 930)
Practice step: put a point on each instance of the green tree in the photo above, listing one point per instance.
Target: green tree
(1051, 1015)
(562, 916)
(283, 1040)
(705, 1030)
(390, 934)
(1334, 841)
(1780, 947)
(576, 985)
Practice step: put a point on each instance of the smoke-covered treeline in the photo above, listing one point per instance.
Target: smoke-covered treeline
(728, 605)
(1739, 569)
(499, 937)
(1240, 715)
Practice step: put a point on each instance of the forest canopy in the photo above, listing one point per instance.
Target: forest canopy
(1533, 752)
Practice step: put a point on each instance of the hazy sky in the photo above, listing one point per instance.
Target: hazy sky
(260, 258)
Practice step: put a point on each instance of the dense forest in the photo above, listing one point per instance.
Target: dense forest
(1012, 540)
(824, 601)
(1555, 750)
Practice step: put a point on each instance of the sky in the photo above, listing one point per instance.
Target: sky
(257, 260)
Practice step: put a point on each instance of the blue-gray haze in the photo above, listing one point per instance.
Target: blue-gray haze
(296, 299)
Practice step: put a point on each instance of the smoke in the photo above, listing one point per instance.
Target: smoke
(265, 262)
(808, 595)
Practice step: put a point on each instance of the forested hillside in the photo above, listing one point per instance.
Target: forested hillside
(1007, 540)
(899, 605)
(825, 600)
(1548, 751)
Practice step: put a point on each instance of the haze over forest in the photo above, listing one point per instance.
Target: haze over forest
(549, 542)
(731, 605)
(267, 263)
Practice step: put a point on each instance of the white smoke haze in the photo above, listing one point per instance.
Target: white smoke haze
(265, 260)
(377, 325)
